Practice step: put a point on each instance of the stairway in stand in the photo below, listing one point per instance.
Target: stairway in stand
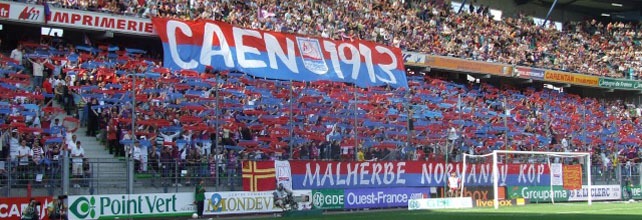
(109, 174)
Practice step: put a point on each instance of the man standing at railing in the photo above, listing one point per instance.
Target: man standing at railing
(24, 155)
(231, 168)
(136, 155)
(77, 155)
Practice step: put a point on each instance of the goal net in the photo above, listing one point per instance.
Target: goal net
(532, 175)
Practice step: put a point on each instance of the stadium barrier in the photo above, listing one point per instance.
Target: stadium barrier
(374, 174)
(227, 203)
(478, 203)
(106, 176)
(243, 202)
(221, 202)
(542, 194)
(20, 179)
(440, 203)
(632, 192)
(112, 206)
(330, 199)
(134, 205)
(610, 181)
(477, 192)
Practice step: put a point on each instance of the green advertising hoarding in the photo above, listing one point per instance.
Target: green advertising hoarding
(619, 84)
(328, 199)
(635, 193)
(538, 193)
(115, 206)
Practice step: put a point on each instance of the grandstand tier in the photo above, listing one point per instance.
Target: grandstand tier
(84, 111)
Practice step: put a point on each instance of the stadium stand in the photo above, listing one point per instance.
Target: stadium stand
(590, 47)
(176, 115)
(91, 86)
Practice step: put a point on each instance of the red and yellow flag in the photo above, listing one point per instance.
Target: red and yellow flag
(258, 176)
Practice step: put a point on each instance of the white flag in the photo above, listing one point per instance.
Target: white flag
(556, 174)
(283, 173)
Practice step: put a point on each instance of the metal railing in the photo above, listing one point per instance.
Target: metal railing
(110, 176)
(19, 179)
(180, 176)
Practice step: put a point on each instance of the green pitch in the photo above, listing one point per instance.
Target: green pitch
(560, 211)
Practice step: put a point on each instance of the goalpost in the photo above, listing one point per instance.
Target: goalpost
(495, 169)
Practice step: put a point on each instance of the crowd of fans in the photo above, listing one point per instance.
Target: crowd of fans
(589, 47)
(205, 123)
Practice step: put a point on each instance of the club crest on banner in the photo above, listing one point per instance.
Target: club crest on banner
(194, 45)
(311, 54)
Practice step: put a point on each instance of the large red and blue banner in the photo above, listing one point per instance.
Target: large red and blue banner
(354, 175)
(197, 44)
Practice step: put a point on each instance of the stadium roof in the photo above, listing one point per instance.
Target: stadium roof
(615, 9)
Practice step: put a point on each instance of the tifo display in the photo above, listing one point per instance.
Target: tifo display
(298, 108)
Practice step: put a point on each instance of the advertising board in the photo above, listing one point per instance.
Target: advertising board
(382, 197)
(440, 203)
(463, 65)
(543, 193)
(571, 78)
(80, 19)
(135, 205)
(598, 192)
(620, 83)
(478, 192)
(529, 73)
(502, 203)
(328, 199)
(11, 208)
(223, 203)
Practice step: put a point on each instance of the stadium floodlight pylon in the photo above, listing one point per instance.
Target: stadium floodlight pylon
(495, 169)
